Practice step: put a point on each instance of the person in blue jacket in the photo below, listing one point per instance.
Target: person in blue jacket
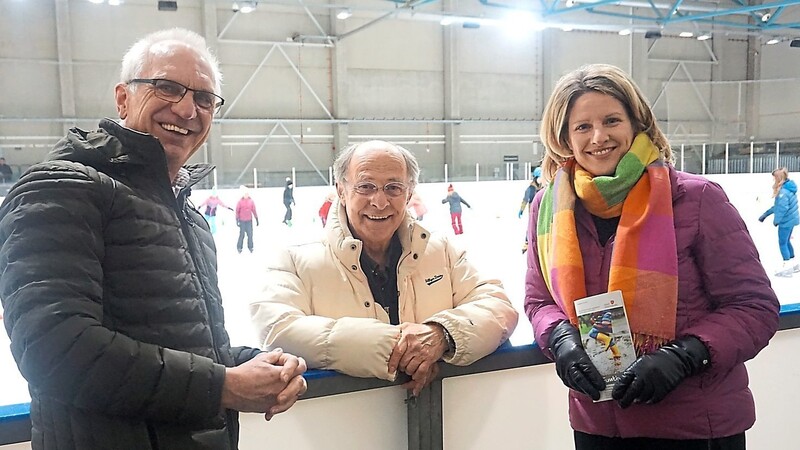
(786, 218)
(527, 199)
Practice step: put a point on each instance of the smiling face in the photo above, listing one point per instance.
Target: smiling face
(180, 127)
(600, 132)
(374, 218)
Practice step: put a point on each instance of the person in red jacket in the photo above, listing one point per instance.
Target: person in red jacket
(245, 213)
(325, 208)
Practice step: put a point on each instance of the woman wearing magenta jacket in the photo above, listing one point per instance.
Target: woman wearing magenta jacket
(616, 215)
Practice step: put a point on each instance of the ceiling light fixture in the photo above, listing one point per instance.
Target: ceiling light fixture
(245, 7)
(624, 32)
(446, 20)
(686, 34)
(704, 37)
(344, 14)
(773, 41)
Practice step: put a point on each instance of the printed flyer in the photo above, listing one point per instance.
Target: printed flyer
(606, 336)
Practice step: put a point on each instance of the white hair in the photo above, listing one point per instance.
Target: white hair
(134, 60)
(342, 162)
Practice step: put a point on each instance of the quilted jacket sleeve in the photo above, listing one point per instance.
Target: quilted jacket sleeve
(482, 317)
(744, 308)
(52, 286)
(283, 317)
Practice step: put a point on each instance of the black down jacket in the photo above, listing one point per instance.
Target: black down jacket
(111, 300)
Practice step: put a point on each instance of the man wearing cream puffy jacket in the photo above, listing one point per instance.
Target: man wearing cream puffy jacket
(379, 294)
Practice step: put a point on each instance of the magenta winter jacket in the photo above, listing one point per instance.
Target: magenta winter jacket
(724, 298)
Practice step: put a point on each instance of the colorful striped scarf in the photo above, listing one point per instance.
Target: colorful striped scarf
(644, 259)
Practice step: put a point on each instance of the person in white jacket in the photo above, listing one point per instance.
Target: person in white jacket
(379, 294)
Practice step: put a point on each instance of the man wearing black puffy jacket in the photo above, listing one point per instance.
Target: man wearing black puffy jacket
(108, 278)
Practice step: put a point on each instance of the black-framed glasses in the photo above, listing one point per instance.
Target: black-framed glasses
(368, 188)
(173, 92)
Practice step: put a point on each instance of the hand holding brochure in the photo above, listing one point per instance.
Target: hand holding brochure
(606, 336)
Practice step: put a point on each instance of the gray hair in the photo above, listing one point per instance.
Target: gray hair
(342, 162)
(134, 60)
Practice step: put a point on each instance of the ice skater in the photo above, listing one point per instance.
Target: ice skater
(326, 208)
(288, 201)
(245, 214)
(418, 206)
(210, 213)
(527, 199)
(455, 201)
(786, 218)
(603, 332)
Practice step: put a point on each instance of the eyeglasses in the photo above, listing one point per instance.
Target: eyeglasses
(173, 92)
(393, 189)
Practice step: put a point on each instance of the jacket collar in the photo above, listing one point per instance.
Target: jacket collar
(117, 148)
(413, 238)
(678, 188)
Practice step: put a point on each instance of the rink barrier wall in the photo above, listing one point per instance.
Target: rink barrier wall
(424, 412)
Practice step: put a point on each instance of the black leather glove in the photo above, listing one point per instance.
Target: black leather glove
(573, 365)
(651, 377)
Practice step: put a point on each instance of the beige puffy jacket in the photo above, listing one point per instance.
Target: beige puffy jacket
(315, 302)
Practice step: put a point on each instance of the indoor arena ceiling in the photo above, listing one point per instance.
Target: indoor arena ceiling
(655, 18)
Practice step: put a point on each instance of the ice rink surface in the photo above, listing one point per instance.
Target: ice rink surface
(493, 236)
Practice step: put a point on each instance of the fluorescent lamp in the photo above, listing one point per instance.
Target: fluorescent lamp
(686, 34)
(704, 37)
(247, 7)
(773, 41)
(624, 32)
(344, 14)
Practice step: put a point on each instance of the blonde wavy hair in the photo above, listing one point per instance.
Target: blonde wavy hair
(604, 79)
(780, 175)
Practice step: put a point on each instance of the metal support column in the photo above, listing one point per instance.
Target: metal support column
(425, 418)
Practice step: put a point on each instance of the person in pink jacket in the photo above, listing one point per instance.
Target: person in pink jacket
(418, 206)
(245, 214)
(616, 215)
(210, 212)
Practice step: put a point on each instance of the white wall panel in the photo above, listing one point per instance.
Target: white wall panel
(395, 45)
